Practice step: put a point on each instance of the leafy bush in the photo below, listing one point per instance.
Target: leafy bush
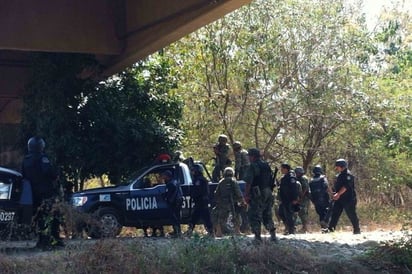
(398, 252)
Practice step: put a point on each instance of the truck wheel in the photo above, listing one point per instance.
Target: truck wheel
(108, 224)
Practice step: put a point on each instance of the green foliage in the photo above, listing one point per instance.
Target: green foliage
(93, 128)
(263, 75)
(306, 84)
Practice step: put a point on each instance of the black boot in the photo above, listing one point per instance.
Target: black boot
(273, 236)
(258, 238)
(176, 231)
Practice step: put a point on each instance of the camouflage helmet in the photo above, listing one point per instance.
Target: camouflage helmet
(228, 172)
(317, 170)
(36, 144)
(254, 152)
(299, 170)
(237, 145)
(341, 163)
(222, 137)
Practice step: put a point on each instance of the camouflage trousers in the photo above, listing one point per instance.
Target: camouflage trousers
(47, 220)
(220, 215)
(260, 212)
(303, 212)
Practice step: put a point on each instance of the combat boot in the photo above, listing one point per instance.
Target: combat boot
(237, 230)
(273, 236)
(189, 231)
(176, 231)
(210, 232)
(258, 239)
(356, 231)
(218, 231)
(286, 230)
(304, 229)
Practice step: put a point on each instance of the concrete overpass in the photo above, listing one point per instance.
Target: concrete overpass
(117, 32)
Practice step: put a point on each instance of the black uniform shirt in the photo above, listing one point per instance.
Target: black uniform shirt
(288, 188)
(347, 180)
(200, 192)
(38, 170)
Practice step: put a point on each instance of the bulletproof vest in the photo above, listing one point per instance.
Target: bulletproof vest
(265, 177)
(318, 189)
(226, 188)
(38, 175)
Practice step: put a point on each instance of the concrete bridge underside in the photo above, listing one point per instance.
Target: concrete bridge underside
(117, 32)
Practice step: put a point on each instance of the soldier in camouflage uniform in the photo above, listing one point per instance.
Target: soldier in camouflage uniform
(221, 150)
(259, 184)
(304, 198)
(242, 164)
(227, 196)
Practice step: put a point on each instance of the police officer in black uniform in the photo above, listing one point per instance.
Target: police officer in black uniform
(344, 197)
(319, 194)
(174, 199)
(200, 197)
(289, 198)
(37, 169)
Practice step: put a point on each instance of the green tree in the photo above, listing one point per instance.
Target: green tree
(278, 75)
(111, 127)
(388, 139)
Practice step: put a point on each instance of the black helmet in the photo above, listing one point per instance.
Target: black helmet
(178, 156)
(197, 169)
(341, 163)
(228, 172)
(317, 170)
(299, 170)
(285, 165)
(237, 145)
(254, 152)
(36, 144)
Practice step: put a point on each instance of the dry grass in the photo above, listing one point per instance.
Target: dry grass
(187, 255)
(136, 254)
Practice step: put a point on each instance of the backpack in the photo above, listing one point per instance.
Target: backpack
(266, 177)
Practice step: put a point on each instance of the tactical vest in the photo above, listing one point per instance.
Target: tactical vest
(226, 187)
(265, 177)
(318, 190)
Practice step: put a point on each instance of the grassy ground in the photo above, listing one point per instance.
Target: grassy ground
(205, 255)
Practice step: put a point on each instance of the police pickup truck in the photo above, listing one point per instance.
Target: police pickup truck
(138, 202)
(11, 210)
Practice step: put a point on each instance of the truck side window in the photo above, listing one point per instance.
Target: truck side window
(149, 180)
(146, 182)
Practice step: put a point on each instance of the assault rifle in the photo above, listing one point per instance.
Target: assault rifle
(274, 180)
(329, 212)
